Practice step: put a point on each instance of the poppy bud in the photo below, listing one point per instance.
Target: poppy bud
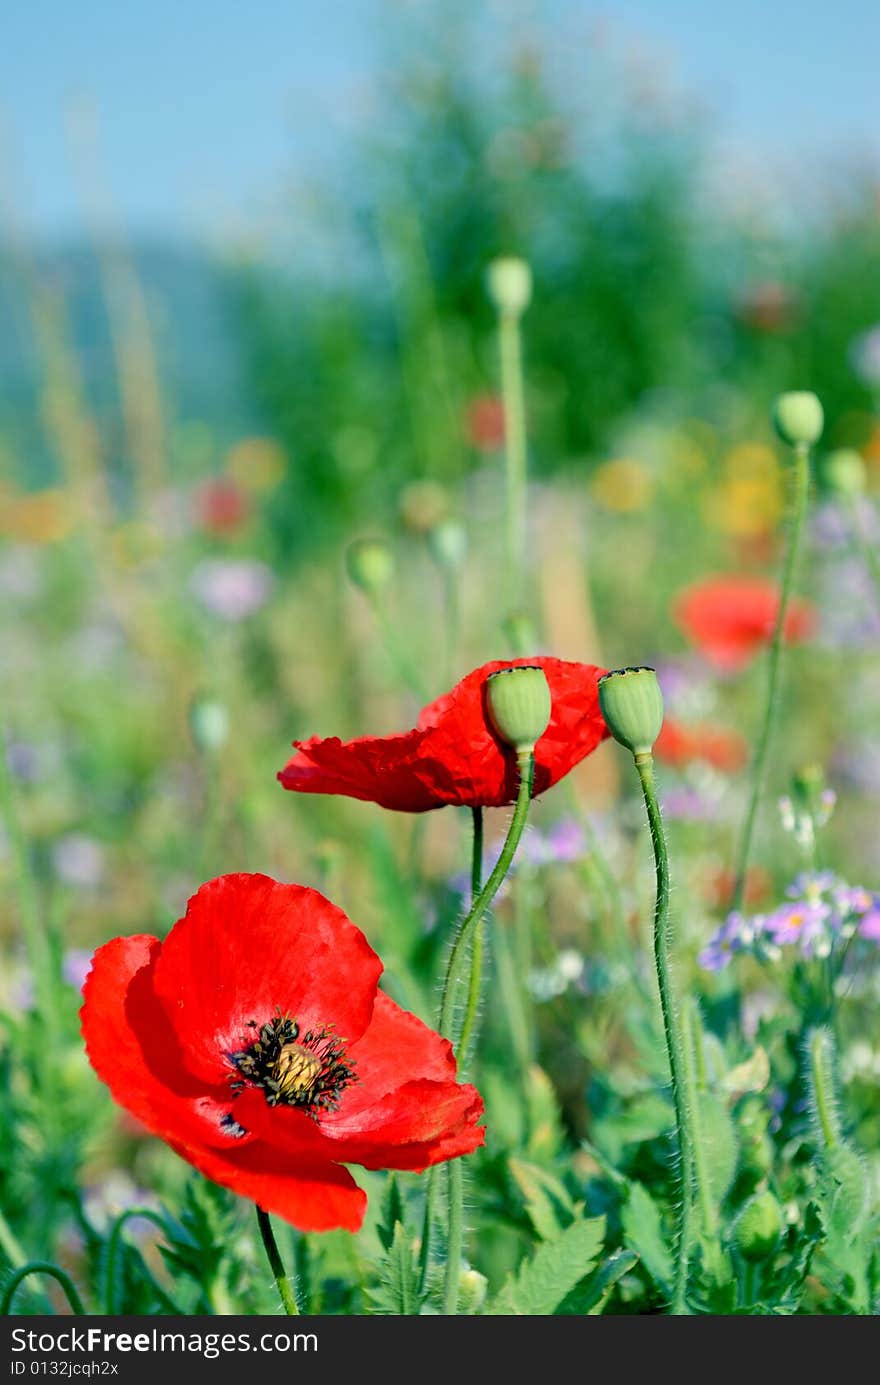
(798, 418)
(510, 285)
(208, 724)
(472, 1290)
(632, 705)
(519, 705)
(448, 542)
(370, 564)
(758, 1228)
(844, 473)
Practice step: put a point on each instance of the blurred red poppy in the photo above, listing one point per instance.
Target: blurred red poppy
(484, 423)
(255, 1042)
(221, 506)
(680, 745)
(730, 618)
(453, 755)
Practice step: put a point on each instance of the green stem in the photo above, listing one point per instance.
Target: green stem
(113, 1243)
(480, 905)
(515, 453)
(863, 542)
(694, 1061)
(671, 1028)
(9, 1244)
(476, 977)
(399, 660)
(759, 764)
(41, 1267)
(823, 1087)
(456, 1237)
(285, 1288)
(457, 957)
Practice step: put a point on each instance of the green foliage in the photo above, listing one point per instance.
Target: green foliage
(544, 1281)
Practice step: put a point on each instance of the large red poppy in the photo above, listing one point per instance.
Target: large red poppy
(453, 755)
(731, 618)
(718, 746)
(255, 1042)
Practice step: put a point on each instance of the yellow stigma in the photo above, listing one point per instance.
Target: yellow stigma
(296, 1071)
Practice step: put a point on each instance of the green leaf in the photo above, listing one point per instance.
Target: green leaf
(549, 1204)
(643, 1232)
(590, 1297)
(542, 1282)
(398, 1291)
(391, 1212)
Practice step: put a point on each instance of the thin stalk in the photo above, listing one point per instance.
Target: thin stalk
(41, 1267)
(512, 395)
(451, 617)
(285, 1288)
(476, 977)
(10, 1245)
(114, 1241)
(458, 955)
(456, 1237)
(671, 1028)
(399, 660)
(759, 764)
(865, 547)
(823, 1088)
(455, 965)
(694, 1061)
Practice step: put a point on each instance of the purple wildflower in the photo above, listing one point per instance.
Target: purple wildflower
(232, 589)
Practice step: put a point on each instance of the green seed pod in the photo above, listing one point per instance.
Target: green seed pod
(632, 705)
(370, 564)
(448, 543)
(208, 724)
(849, 1187)
(757, 1230)
(798, 418)
(472, 1290)
(844, 473)
(519, 704)
(510, 285)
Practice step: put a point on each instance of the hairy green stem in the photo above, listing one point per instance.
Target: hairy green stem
(694, 1061)
(476, 977)
(458, 955)
(823, 1087)
(675, 1047)
(512, 395)
(41, 1267)
(114, 1240)
(285, 1288)
(759, 763)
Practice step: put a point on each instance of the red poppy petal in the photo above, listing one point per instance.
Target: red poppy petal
(314, 1196)
(453, 756)
(249, 946)
(405, 1111)
(133, 1049)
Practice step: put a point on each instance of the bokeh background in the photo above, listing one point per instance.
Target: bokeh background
(244, 322)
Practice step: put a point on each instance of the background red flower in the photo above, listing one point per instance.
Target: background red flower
(730, 618)
(453, 755)
(173, 1026)
(718, 746)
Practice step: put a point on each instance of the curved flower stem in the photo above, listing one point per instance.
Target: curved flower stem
(671, 1028)
(455, 965)
(41, 1267)
(113, 1243)
(514, 452)
(695, 1069)
(285, 1288)
(476, 978)
(799, 512)
(480, 905)
(822, 1082)
(863, 541)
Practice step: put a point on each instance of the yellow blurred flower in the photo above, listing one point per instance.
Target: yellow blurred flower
(423, 504)
(41, 517)
(622, 484)
(135, 543)
(749, 498)
(257, 464)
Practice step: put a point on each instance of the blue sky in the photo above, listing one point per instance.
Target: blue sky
(206, 106)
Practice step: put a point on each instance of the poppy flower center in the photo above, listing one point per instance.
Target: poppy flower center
(294, 1067)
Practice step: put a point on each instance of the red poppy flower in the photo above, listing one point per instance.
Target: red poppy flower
(731, 618)
(453, 755)
(679, 745)
(255, 1042)
(484, 423)
(221, 506)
